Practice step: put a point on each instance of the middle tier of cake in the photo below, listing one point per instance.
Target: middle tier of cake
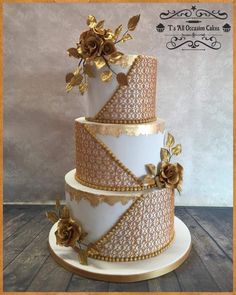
(113, 156)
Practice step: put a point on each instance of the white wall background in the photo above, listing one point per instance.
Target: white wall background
(194, 97)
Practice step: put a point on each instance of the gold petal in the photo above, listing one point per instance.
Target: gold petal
(73, 52)
(69, 76)
(133, 21)
(122, 79)
(170, 141)
(151, 169)
(126, 37)
(89, 70)
(165, 155)
(176, 150)
(52, 216)
(99, 62)
(91, 21)
(106, 76)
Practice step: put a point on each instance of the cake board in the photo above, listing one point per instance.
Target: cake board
(141, 270)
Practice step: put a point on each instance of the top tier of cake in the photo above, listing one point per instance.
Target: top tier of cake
(135, 103)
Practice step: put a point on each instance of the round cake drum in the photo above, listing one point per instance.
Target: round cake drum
(166, 262)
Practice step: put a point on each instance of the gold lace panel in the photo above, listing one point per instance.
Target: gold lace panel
(96, 199)
(97, 167)
(143, 231)
(135, 103)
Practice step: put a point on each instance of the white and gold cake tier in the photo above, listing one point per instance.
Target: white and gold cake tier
(123, 226)
(113, 156)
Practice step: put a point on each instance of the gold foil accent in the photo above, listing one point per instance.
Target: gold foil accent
(96, 199)
(148, 225)
(135, 103)
(128, 129)
(98, 167)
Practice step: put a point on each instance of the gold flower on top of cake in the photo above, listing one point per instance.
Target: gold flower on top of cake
(166, 174)
(97, 48)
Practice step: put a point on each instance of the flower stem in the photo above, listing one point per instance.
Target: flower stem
(106, 61)
(121, 37)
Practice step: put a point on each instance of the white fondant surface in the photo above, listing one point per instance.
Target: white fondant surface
(167, 261)
(135, 151)
(96, 220)
(99, 92)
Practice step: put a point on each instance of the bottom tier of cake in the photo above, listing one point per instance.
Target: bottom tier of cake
(122, 226)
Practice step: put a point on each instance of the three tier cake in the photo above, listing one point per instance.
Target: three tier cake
(120, 196)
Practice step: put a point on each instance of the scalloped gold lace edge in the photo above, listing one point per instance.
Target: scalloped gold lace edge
(96, 199)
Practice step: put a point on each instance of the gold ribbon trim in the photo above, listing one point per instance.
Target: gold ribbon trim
(95, 199)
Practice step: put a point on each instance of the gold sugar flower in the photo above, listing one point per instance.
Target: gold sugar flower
(97, 48)
(169, 176)
(68, 233)
(90, 44)
(108, 48)
(166, 174)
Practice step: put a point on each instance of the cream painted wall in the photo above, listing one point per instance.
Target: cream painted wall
(194, 97)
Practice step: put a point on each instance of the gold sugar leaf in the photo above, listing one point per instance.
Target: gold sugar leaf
(100, 24)
(76, 79)
(89, 70)
(83, 87)
(151, 169)
(69, 76)
(65, 214)
(122, 79)
(165, 155)
(73, 52)
(58, 203)
(170, 141)
(106, 76)
(133, 21)
(83, 256)
(91, 21)
(115, 56)
(52, 216)
(118, 31)
(126, 37)
(99, 62)
(176, 150)
(69, 87)
(149, 180)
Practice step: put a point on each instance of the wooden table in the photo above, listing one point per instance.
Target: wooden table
(29, 267)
